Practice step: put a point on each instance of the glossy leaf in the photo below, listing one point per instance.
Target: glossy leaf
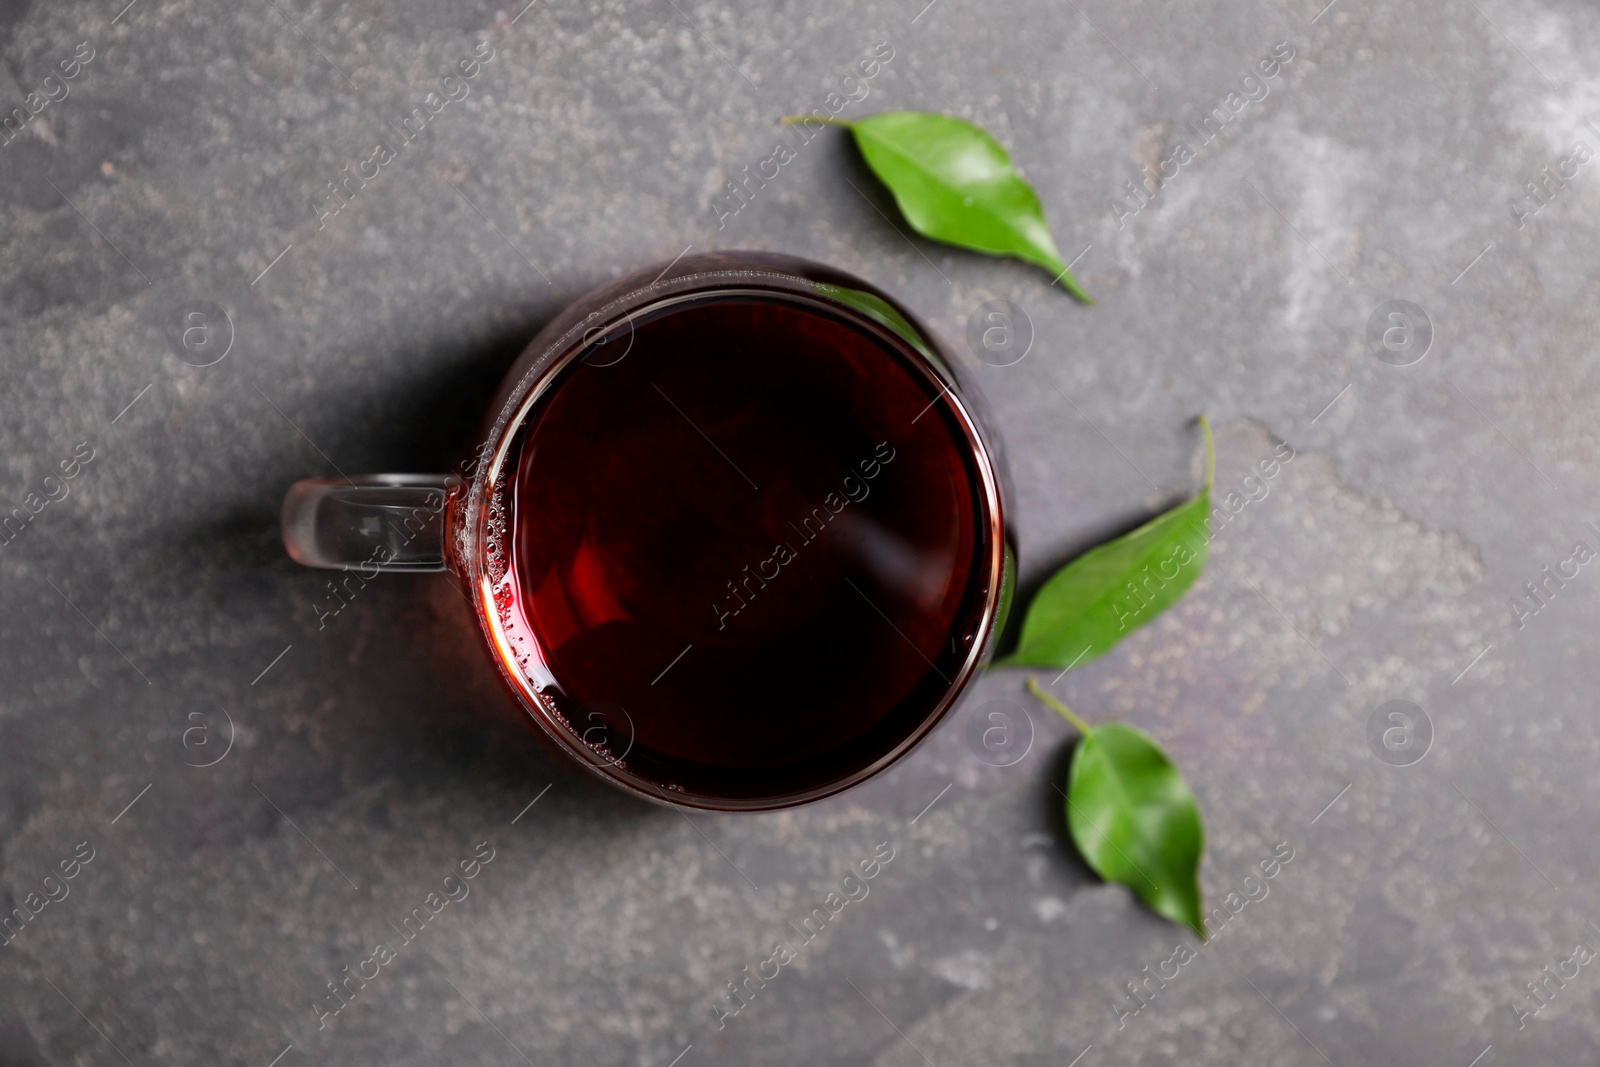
(1132, 816)
(955, 183)
(1108, 592)
(1135, 821)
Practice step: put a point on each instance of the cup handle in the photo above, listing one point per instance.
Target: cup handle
(393, 522)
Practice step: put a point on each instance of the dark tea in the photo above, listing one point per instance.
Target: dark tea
(741, 546)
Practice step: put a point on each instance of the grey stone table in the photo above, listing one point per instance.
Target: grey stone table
(1243, 233)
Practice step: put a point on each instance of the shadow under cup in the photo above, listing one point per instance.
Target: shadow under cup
(737, 541)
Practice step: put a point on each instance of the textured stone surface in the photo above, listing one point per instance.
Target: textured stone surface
(373, 755)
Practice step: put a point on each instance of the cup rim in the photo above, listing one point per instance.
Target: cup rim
(547, 360)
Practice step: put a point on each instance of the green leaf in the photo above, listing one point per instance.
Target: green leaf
(1135, 821)
(1133, 817)
(1108, 592)
(955, 183)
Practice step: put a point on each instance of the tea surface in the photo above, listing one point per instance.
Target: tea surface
(746, 546)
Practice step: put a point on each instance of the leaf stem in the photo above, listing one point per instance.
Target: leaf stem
(1211, 455)
(1056, 706)
(816, 120)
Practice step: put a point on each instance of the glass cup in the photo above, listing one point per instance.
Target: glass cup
(690, 457)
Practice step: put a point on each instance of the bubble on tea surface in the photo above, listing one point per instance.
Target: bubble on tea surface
(606, 729)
